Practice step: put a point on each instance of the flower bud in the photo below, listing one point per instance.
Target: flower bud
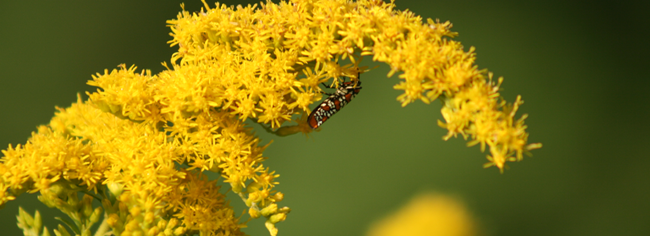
(254, 212)
(278, 217)
(179, 231)
(115, 188)
(277, 197)
(97, 213)
(271, 209)
(61, 231)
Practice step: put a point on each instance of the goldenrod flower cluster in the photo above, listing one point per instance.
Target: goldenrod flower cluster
(143, 143)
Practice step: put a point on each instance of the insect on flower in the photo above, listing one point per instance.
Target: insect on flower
(334, 103)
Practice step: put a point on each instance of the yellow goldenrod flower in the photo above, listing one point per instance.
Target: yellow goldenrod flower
(427, 214)
(143, 142)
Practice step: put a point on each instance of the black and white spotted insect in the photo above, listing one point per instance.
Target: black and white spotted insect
(334, 103)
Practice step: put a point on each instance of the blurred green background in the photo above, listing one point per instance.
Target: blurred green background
(581, 67)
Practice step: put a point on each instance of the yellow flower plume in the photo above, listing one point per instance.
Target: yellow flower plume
(143, 143)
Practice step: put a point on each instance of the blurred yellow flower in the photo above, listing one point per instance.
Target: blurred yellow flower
(427, 214)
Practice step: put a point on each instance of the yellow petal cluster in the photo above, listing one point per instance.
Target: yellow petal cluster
(137, 161)
(297, 44)
(144, 142)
